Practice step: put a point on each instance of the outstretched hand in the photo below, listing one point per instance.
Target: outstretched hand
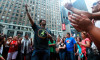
(80, 22)
(78, 29)
(26, 7)
(68, 6)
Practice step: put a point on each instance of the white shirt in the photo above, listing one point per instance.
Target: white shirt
(97, 23)
(27, 43)
(1, 49)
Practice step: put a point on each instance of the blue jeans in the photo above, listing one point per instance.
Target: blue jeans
(62, 55)
(70, 55)
(40, 55)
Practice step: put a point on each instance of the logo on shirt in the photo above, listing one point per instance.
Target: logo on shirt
(42, 33)
(68, 41)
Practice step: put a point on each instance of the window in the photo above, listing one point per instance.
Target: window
(31, 14)
(18, 27)
(0, 11)
(12, 18)
(21, 12)
(1, 20)
(19, 23)
(14, 10)
(14, 27)
(15, 18)
(33, 8)
(9, 9)
(6, 21)
(7, 17)
(9, 26)
(1, 7)
(3, 16)
(14, 22)
(17, 11)
(5, 9)
(6, 5)
(16, 14)
(21, 16)
(15, 7)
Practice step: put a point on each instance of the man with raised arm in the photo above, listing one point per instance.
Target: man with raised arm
(41, 38)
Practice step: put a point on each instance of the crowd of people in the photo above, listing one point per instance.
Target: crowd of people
(66, 48)
(47, 47)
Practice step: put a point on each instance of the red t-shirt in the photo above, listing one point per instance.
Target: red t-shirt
(13, 46)
(83, 47)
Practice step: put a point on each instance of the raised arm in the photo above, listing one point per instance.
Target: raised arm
(50, 37)
(79, 12)
(31, 21)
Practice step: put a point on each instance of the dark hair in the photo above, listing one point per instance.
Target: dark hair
(68, 33)
(86, 35)
(41, 20)
(79, 39)
(63, 39)
(26, 34)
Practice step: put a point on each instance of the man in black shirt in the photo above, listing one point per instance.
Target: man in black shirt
(41, 38)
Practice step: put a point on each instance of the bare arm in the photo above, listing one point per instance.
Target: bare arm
(62, 47)
(95, 34)
(31, 21)
(95, 16)
(50, 37)
(74, 47)
(52, 44)
(86, 45)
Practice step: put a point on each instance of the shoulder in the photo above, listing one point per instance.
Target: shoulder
(23, 39)
(72, 38)
(87, 39)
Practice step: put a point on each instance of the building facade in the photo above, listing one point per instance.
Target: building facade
(13, 16)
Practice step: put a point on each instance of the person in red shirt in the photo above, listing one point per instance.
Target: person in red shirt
(13, 49)
(85, 43)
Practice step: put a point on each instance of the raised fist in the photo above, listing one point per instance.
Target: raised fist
(26, 7)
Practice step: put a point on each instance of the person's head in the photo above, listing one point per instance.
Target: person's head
(26, 36)
(42, 22)
(68, 35)
(62, 40)
(58, 38)
(78, 39)
(18, 36)
(84, 35)
(15, 38)
(96, 7)
(10, 38)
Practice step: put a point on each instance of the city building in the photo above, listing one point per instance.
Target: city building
(13, 16)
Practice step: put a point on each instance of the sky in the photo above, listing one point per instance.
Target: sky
(88, 3)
